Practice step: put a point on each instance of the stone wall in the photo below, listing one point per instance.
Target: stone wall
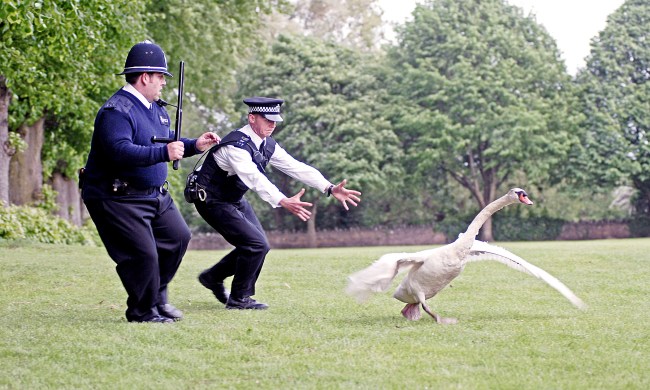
(334, 238)
(402, 236)
(594, 230)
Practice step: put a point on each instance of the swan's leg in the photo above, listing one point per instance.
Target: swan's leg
(440, 320)
(412, 311)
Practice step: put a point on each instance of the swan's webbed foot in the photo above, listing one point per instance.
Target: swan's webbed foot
(412, 311)
(439, 319)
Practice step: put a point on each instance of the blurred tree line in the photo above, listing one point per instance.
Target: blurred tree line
(472, 98)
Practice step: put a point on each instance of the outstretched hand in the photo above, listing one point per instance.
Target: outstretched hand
(344, 195)
(206, 140)
(296, 206)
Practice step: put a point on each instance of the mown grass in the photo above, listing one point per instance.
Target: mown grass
(64, 327)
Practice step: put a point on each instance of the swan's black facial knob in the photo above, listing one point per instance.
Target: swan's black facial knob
(523, 197)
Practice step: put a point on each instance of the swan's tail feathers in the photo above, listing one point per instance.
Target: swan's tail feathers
(378, 276)
(483, 251)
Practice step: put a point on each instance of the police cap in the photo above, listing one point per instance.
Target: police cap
(269, 108)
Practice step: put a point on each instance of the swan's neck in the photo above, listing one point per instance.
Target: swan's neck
(479, 220)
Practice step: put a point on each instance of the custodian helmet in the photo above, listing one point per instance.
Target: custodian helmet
(146, 57)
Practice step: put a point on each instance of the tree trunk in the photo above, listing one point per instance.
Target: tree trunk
(26, 168)
(489, 195)
(5, 151)
(68, 199)
(312, 237)
(277, 217)
(485, 234)
(642, 202)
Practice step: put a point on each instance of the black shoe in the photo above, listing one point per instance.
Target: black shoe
(217, 288)
(169, 311)
(157, 319)
(245, 303)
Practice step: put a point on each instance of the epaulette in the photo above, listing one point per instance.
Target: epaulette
(119, 103)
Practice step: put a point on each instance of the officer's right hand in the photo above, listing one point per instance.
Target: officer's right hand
(175, 150)
(296, 206)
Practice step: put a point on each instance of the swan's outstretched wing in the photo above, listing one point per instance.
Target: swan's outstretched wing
(483, 251)
(378, 276)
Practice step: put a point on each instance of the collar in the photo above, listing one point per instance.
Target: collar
(131, 89)
(254, 137)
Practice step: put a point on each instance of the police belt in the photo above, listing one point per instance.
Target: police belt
(124, 188)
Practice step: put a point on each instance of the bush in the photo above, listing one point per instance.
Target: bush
(533, 228)
(37, 224)
(514, 224)
(452, 225)
(640, 226)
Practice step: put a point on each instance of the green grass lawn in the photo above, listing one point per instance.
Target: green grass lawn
(64, 327)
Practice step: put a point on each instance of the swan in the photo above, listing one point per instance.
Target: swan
(432, 270)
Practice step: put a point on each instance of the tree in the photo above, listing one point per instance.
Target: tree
(54, 60)
(332, 115)
(353, 23)
(615, 86)
(213, 38)
(486, 97)
(59, 61)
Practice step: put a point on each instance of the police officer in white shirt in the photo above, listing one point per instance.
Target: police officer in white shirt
(233, 167)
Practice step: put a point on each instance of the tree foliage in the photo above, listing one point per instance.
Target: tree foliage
(473, 92)
(213, 38)
(614, 90)
(58, 58)
(486, 96)
(353, 23)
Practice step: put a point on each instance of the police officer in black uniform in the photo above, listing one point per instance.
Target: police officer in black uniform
(233, 167)
(124, 186)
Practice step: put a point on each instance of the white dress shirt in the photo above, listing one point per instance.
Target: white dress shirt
(237, 161)
(130, 88)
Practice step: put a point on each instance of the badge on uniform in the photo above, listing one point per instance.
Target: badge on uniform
(163, 120)
(243, 140)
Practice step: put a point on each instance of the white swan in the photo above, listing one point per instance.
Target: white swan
(431, 270)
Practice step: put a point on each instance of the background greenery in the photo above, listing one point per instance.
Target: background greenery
(472, 98)
(64, 327)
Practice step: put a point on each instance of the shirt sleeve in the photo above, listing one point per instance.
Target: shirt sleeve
(299, 170)
(237, 161)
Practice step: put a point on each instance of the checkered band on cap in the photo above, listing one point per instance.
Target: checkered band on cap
(264, 109)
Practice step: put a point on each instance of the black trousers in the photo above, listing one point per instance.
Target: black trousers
(147, 238)
(238, 225)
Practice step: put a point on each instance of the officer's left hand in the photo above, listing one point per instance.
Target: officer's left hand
(206, 140)
(296, 206)
(344, 195)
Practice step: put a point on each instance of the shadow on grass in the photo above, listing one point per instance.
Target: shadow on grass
(509, 317)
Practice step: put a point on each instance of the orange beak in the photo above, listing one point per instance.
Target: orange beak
(523, 198)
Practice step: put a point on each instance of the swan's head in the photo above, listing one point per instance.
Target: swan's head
(519, 195)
